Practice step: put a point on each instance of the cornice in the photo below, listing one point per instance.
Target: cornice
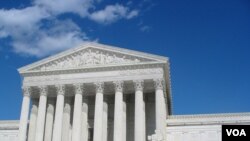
(94, 69)
(9, 124)
(221, 115)
(208, 119)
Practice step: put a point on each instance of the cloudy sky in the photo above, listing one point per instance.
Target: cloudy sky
(208, 43)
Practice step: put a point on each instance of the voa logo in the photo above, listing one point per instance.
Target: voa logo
(236, 132)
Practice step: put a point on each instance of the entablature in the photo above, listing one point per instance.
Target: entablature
(89, 77)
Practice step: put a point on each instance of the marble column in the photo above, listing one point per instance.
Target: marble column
(71, 120)
(24, 114)
(140, 128)
(85, 127)
(41, 113)
(67, 119)
(49, 119)
(76, 132)
(105, 120)
(98, 112)
(33, 117)
(160, 106)
(70, 133)
(57, 130)
(118, 115)
(124, 118)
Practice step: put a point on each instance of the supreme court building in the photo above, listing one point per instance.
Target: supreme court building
(96, 92)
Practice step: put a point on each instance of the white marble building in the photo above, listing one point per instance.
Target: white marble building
(97, 92)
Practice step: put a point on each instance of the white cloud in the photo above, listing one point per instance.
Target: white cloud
(29, 15)
(32, 36)
(28, 36)
(112, 13)
(17, 21)
(132, 14)
(47, 44)
(61, 35)
(80, 7)
(144, 28)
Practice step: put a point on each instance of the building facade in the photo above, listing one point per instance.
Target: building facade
(97, 92)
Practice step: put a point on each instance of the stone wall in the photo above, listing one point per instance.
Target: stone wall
(179, 127)
(9, 130)
(201, 127)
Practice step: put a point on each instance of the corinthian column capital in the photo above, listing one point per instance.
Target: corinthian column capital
(26, 91)
(138, 84)
(43, 90)
(118, 86)
(99, 86)
(78, 88)
(60, 89)
(159, 84)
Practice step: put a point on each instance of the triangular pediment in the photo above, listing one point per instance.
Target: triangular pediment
(91, 55)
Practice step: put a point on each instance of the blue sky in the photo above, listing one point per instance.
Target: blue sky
(207, 41)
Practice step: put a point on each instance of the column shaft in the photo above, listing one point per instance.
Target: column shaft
(124, 119)
(160, 110)
(41, 118)
(70, 134)
(33, 117)
(76, 132)
(98, 117)
(160, 107)
(57, 130)
(85, 129)
(66, 120)
(140, 121)
(49, 120)
(24, 118)
(118, 117)
(105, 120)
(139, 117)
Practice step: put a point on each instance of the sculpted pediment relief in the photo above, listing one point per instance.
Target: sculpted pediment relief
(91, 55)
